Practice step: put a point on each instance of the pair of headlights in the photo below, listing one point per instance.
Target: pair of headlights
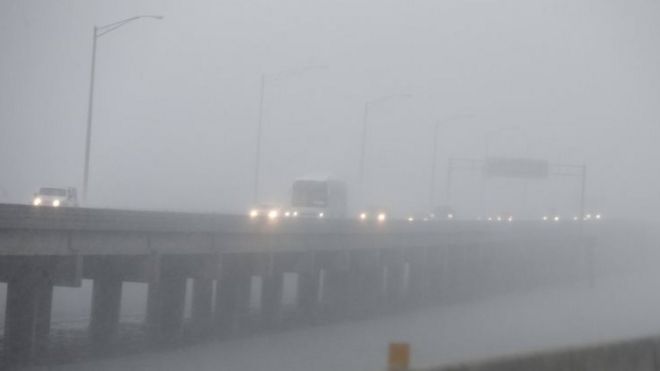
(381, 217)
(38, 202)
(274, 214)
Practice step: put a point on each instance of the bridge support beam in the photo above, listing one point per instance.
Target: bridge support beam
(166, 302)
(30, 282)
(365, 286)
(27, 316)
(418, 277)
(232, 297)
(435, 272)
(308, 289)
(43, 317)
(165, 305)
(271, 302)
(202, 306)
(394, 279)
(273, 311)
(336, 298)
(106, 303)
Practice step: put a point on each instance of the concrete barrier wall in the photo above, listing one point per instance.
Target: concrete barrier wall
(633, 355)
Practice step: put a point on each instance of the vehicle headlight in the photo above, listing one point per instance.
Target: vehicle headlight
(411, 219)
(287, 214)
(381, 217)
(321, 214)
(598, 216)
(363, 216)
(545, 218)
(36, 201)
(450, 216)
(556, 218)
(510, 218)
(254, 213)
(273, 214)
(295, 213)
(56, 203)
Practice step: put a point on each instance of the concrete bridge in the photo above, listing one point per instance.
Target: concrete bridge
(343, 269)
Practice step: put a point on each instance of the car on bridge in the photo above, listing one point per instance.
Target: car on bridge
(55, 197)
(378, 214)
(443, 212)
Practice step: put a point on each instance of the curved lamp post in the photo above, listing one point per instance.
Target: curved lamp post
(100, 31)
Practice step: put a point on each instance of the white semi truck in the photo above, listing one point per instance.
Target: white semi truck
(319, 197)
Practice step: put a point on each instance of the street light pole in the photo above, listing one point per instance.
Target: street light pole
(262, 93)
(434, 160)
(363, 141)
(257, 163)
(98, 32)
(583, 190)
(90, 112)
(450, 173)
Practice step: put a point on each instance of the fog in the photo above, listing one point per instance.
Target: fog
(440, 85)
(176, 101)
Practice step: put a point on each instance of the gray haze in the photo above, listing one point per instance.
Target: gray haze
(175, 120)
(177, 100)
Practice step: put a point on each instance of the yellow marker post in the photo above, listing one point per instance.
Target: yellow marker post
(398, 357)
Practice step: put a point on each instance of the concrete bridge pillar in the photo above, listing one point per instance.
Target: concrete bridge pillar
(273, 309)
(166, 301)
(20, 319)
(27, 315)
(435, 273)
(365, 283)
(203, 269)
(394, 277)
(271, 302)
(418, 277)
(106, 303)
(43, 317)
(308, 288)
(202, 306)
(336, 281)
(232, 297)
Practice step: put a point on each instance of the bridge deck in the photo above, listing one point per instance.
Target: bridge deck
(65, 231)
(342, 268)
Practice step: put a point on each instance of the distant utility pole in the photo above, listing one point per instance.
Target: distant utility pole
(583, 190)
(98, 33)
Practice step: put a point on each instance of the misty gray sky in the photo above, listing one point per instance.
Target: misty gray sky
(177, 100)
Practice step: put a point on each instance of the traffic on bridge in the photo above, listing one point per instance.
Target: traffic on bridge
(290, 185)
